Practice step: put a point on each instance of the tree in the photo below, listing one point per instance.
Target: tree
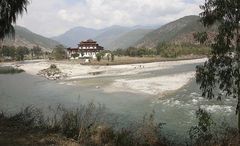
(108, 57)
(10, 9)
(37, 51)
(161, 47)
(99, 57)
(6, 51)
(21, 52)
(201, 37)
(59, 52)
(202, 133)
(9, 51)
(222, 70)
(112, 57)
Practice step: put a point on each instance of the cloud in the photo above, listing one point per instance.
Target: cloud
(53, 17)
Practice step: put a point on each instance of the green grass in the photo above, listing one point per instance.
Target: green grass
(10, 70)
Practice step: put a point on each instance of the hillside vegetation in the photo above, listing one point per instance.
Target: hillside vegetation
(130, 38)
(114, 37)
(179, 31)
(26, 38)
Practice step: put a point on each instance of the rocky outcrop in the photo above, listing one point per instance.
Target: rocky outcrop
(52, 73)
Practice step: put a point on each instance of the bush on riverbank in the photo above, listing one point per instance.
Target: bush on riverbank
(91, 125)
(10, 70)
(208, 132)
(88, 125)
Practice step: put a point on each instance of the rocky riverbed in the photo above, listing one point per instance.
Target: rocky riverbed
(52, 73)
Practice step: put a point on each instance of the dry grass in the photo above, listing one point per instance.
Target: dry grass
(88, 125)
(135, 60)
(16, 133)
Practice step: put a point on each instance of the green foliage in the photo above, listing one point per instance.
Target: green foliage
(165, 50)
(53, 66)
(10, 70)
(10, 9)
(175, 50)
(15, 53)
(202, 132)
(9, 51)
(30, 117)
(177, 31)
(201, 37)
(135, 52)
(99, 57)
(208, 132)
(119, 52)
(75, 55)
(36, 51)
(21, 52)
(108, 57)
(112, 57)
(59, 53)
(222, 70)
(161, 47)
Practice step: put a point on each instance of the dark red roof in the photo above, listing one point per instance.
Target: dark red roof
(89, 41)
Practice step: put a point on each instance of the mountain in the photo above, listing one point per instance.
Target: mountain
(109, 37)
(24, 37)
(104, 36)
(179, 31)
(72, 37)
(128, 39)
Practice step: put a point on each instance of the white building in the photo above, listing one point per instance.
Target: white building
(86, 49)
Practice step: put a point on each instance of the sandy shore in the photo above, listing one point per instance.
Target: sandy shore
(154, 86)
(77, 71)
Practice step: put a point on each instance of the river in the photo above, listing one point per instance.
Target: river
(176, 109)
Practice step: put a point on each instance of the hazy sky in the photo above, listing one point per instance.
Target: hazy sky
(53, 17)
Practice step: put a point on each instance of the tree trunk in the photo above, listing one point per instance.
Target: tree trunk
(238, 123)
(1, 46)
(237, 109)
(238, 61)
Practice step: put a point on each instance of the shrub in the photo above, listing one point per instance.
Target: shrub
(112, 57)
(10, 70)
(53, 66)
(207, 132)
(89, 125)
(75, 55)
(59, 52)
(202, 132)
(99, 57)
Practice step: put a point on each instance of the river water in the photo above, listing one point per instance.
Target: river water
(177, 109)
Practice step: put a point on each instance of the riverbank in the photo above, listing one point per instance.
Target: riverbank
(78, 71)
(158, 85)
(122, 60)
(180, 104)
